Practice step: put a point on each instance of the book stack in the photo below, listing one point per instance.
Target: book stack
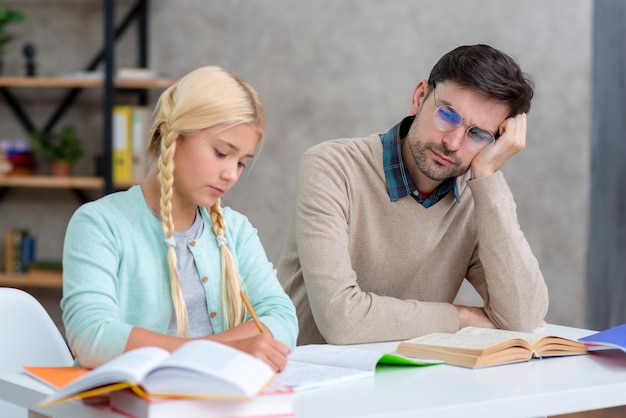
(272, 402)
(202, 378)
(19, 250)
(131, 126)
(5, 164)
(16, 158)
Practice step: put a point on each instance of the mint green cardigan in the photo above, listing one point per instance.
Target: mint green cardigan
(115, 276)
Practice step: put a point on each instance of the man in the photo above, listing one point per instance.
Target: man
(388, 226)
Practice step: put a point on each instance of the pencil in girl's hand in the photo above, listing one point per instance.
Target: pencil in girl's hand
(252, 313)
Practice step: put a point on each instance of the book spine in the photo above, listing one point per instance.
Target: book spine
(27, 251)
(18, 236)
(8, 250)
(122, 143)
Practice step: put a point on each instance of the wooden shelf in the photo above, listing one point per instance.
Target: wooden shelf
(71, 182)
(136, 81)
(40, 279)
(83, 82)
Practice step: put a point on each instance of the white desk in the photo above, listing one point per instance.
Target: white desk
(538, 388)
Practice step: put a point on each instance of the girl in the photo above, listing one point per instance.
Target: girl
(164, 262)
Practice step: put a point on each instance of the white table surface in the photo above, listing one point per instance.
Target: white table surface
(544, 387)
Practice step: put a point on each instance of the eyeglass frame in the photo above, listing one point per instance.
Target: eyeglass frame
(451, 109)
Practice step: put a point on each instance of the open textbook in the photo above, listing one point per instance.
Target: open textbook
(272, 402)
(198, 369)
(480, 347)
(315, 365)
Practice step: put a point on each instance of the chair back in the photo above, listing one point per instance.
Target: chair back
(28, 337)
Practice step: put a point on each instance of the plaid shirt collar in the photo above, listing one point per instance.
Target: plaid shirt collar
(399, 181)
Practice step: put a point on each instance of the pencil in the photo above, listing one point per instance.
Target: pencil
(252, 313)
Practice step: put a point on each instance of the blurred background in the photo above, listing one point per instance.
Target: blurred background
(328, 69)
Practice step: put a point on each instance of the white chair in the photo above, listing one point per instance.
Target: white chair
(29, 337)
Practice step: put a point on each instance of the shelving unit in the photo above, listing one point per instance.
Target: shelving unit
(109, 85)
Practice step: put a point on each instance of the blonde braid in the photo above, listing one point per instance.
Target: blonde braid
(205, 98)
(233, 306)
(166, 179)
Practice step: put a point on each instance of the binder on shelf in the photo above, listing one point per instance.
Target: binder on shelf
(141, 123)
(122, 143)
(27, 254)
(19, 250)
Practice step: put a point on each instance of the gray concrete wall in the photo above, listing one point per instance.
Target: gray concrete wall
(333, 68)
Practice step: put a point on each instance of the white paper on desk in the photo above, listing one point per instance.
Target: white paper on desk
(301, 376)
(315, 365)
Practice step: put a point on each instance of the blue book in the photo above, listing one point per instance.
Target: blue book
(609, 339)
(27, 253)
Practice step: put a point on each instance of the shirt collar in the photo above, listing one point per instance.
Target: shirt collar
(399, 181)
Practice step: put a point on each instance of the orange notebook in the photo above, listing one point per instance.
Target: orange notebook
(57, 377)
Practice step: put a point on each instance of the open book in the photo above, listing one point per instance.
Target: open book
(610, 339)
(273, 402)
(479, 347)
(198, 369)
(315, 365)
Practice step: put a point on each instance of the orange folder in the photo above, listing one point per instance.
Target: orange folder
(56, 377)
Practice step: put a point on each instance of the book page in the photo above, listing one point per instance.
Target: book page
(301, 375)
(209, 369)
(501, 334)
(332, 355)
(474, 338)
(317, 365)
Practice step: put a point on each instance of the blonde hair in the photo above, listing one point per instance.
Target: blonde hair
(204, 98)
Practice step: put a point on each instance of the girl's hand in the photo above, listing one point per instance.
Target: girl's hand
(265, 347)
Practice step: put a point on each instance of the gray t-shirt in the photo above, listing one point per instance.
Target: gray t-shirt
(198, 324)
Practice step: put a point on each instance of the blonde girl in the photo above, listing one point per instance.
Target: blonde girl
(163, 262)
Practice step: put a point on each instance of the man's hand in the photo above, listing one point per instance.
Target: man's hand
(512, 140)
(473, 316)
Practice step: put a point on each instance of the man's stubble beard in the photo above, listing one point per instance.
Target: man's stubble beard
(421, 152)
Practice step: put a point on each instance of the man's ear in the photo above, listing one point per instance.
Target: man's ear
(419, 96)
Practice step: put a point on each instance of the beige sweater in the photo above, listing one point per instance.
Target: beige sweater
(361, 268)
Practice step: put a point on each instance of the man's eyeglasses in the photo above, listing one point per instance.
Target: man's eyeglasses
(447, 119)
